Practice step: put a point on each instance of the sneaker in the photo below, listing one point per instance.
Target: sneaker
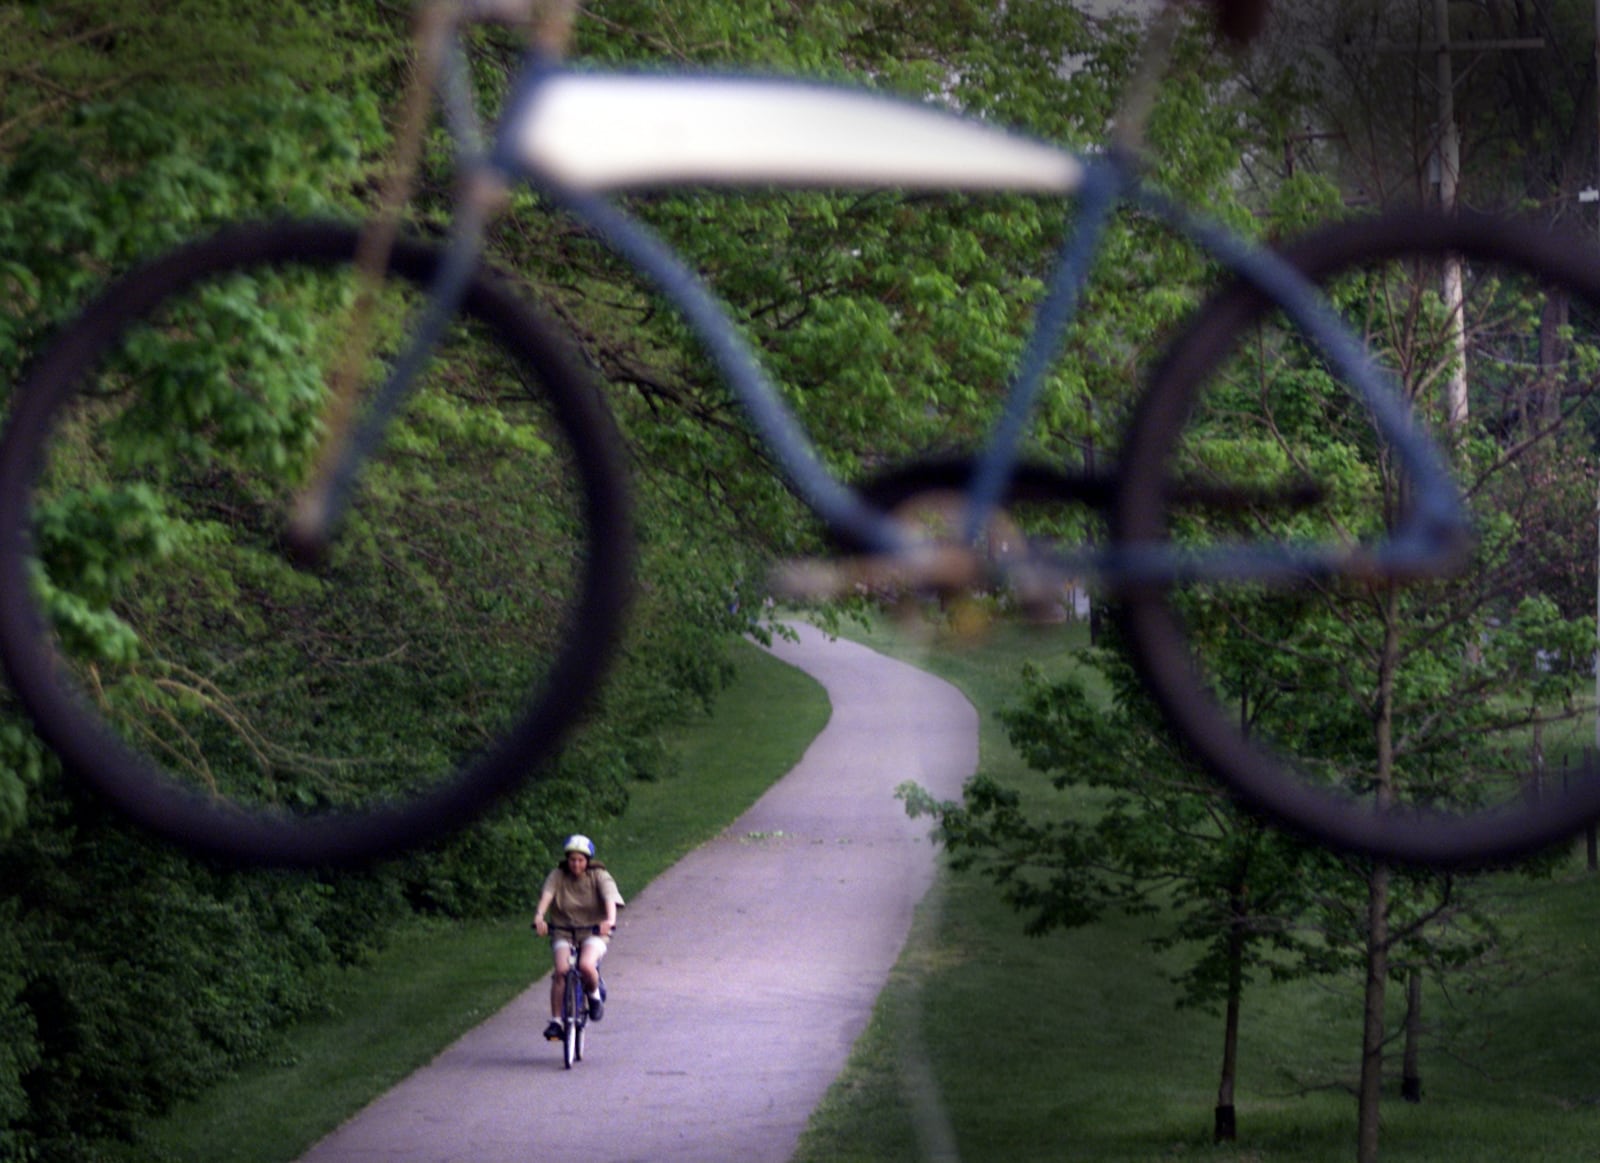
(552, 1032)
(597, 1009)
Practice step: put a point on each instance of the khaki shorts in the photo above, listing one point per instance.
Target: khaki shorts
(559, 937)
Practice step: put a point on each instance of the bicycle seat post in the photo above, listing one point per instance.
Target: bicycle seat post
(552, 34)
(319, 503)
(548, 22)
(1133, 115)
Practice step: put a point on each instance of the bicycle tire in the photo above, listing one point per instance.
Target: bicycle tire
(514, 340)
(571, 1021)
(1262, 776)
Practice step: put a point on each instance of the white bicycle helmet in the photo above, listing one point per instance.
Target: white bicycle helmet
(579, 843)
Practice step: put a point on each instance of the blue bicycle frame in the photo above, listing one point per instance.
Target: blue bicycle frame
(580, 137)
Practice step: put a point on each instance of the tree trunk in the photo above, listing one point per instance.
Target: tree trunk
(1225, 1124)
(1533, 780)
(1370, 1091)
(1553, 323)
(1411, 1075)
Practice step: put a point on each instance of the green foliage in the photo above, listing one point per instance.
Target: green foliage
(19, 1047)
(1157, 834)
(121, 928)
(107, 156)
(1108, 1070)
(159, 532)
(889, 321)
(24, 764)
(135, 128)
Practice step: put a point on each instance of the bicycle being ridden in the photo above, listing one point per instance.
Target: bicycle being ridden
(577, 910)
(569, 1026)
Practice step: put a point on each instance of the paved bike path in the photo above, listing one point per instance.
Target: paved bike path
(740, 977)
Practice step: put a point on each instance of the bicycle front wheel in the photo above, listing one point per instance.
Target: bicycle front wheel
(572, 1021)
(246, 709)
(1440, 722)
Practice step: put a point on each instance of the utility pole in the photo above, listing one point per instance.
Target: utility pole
(1592, 840)
(1589, 196)
(1448, 154)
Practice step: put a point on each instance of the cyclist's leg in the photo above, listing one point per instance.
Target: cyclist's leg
(561, 959)
(590, 955)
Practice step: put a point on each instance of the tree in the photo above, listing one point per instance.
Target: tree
(1156, 837)
(1432, 694)
(1371, 121)
(1439, 694)
(1162, 829)
(123, 130)
(125, 167)
(1524, 104)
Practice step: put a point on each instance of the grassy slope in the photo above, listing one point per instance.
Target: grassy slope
(436, 981)
(989, 1044)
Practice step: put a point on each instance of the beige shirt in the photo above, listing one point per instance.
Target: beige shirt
(579, 901)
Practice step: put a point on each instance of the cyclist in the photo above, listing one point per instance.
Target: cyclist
(578, 894)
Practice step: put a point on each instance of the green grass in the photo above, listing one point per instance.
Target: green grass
(1069, 1046)
(436, 981)
(430, 985)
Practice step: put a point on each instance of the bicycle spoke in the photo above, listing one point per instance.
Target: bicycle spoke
(176, 657)
(1421, 719)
